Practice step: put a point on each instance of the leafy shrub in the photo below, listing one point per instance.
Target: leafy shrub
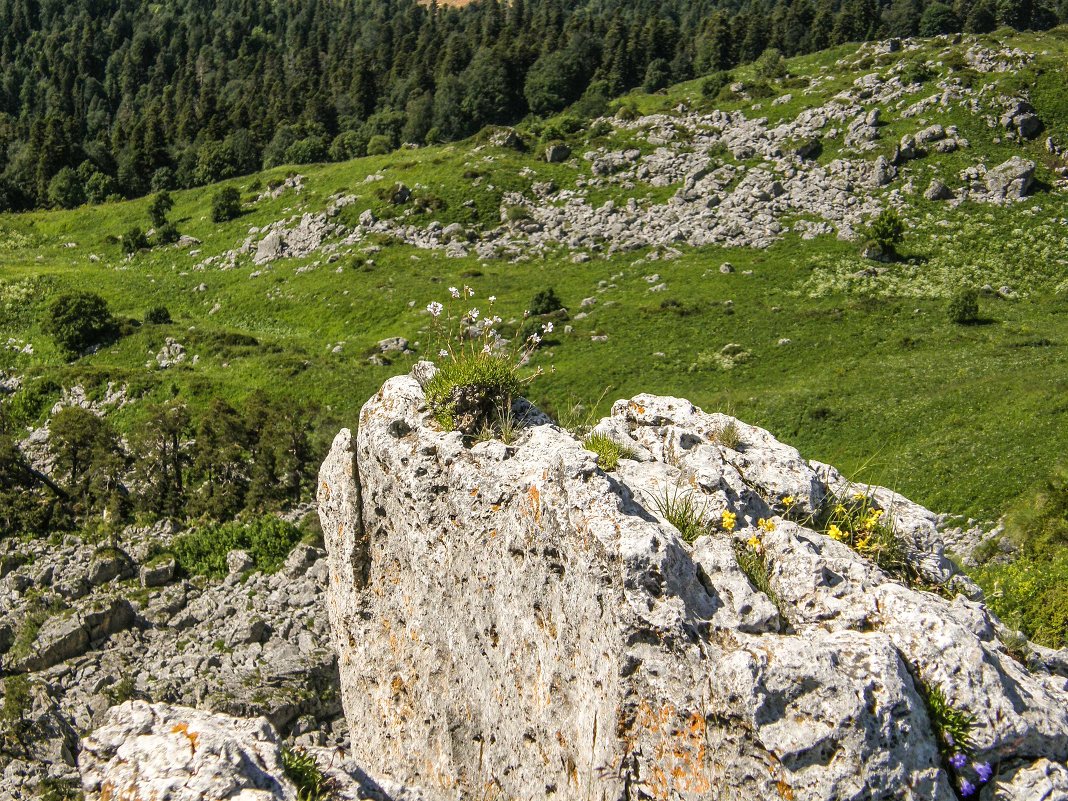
(379, 145)
(771, 65)
(545, 302)
(608, 450)
(760, 90)
(886, 231)
(160, 207)
(963, 308)
(134, 240)
(225, 204)
(29, 403)
(916, 72)
(158, 315)
(202, 552)
(78, 320)
(167, 234)
(714, 83)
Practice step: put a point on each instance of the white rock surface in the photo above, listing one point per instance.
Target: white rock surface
(155, 751)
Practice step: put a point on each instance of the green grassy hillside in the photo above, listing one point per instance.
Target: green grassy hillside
(874, 379)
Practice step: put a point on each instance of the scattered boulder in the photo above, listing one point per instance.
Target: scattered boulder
(557, 154)
(271, 247)
(1010, 180)
(938, 191)
(400, 195)
(158, 573)
(393, 345)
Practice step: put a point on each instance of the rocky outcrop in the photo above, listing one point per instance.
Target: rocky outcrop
(512, 620)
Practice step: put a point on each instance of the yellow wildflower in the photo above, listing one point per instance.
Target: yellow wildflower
(728, 520)
(754, 543)
(836, 533)
(766, 525)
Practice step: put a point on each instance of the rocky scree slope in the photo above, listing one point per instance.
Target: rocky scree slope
(513, 621)
(740, 180)
(83, 627)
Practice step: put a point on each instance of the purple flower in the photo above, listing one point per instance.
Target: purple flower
(966, 787)
(984, 771)
(958, 760)
(949, 740)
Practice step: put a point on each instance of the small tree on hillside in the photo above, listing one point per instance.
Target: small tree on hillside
(885, 232)
(225, 204)
(79, 320)
(160, 207)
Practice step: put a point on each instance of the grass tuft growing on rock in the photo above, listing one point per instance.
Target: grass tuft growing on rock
(470, 385)
(680, 509)
(303, 770)
(608, 450)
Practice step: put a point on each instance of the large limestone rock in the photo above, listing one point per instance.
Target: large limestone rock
(512, 621)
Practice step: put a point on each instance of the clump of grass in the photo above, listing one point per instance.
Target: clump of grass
(303, 770)
(953, 731)
(1017, 646)
(728, 435)
(466, 388)
(609, 451)
(504, 425)
(754, 563)
(952, 725)
(681, 509)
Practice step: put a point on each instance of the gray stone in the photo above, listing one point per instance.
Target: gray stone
(938, 191)
(556, 154)
(144, 751)
(271, 247)
(158, 573)
(238, 561)
(1010, 180)
(393, 345)
(109, 565)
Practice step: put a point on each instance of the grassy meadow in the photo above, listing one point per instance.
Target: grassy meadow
(875, 379)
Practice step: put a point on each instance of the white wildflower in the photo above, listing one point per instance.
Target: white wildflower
(547, 328)
(434, 308)
(454, 291)
(473, 314)
(443, 353)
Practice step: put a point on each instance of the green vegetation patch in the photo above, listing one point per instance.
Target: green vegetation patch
(202, 552)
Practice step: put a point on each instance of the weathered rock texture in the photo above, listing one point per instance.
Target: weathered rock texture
(514, 622)
(146, 751)
(159, 752)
